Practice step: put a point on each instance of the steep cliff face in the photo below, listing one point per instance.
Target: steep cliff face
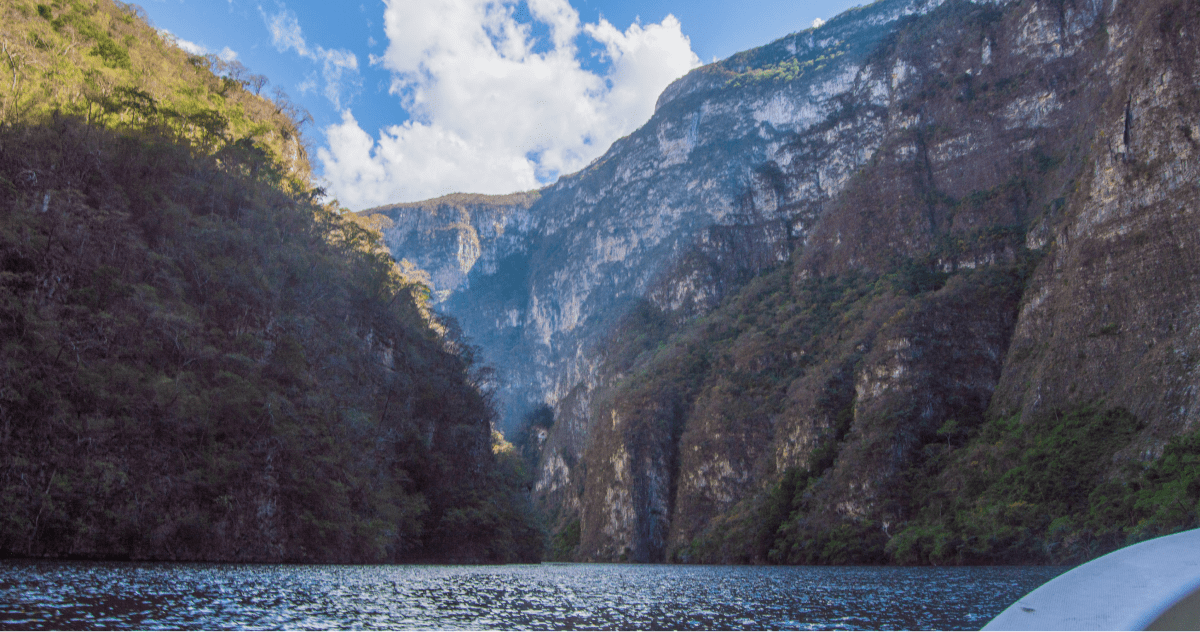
(1112, 313)
(967, 145)
(834, 276)
(681, 211)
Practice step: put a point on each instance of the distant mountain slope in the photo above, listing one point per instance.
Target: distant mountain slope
(198, 362)
(451, 236)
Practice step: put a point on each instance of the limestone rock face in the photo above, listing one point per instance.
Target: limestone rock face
(1112, 312)
(453, 235)
(772, 273)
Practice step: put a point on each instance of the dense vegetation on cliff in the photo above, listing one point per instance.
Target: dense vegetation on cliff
(199, 361)
(975, 488)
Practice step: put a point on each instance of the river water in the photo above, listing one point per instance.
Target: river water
(84, 595)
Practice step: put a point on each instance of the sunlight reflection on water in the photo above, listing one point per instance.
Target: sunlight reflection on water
(80, 595)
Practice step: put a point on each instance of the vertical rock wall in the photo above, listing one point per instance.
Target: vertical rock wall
(1112, 314)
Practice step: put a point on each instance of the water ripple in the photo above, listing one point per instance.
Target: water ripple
(94, 596)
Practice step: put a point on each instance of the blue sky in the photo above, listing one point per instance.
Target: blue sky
(414, 99)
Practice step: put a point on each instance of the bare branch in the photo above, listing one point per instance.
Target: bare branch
(12, 64)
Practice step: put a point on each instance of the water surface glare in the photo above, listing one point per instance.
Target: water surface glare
(82, 595)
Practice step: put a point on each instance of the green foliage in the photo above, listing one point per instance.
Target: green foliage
(730, 538)
(851, 542)
(1063, 458)
(492, 518)
(1165, 498)
(1038, 493)
(113, 54)
(1046, 492)
(785, 499)
(785, 70)
(565, 542)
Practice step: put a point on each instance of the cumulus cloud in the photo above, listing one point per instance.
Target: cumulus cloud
(494, 109)
(339, 67)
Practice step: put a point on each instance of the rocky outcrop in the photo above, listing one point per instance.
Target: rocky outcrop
(450, 236)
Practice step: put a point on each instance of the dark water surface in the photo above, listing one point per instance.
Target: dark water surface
(75, 595)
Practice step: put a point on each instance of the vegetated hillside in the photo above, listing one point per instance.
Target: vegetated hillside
(100, 61)
(198, 361)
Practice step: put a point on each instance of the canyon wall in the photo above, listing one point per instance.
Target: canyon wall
(805, 297)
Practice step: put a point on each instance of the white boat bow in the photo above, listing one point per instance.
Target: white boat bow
(1152, 585)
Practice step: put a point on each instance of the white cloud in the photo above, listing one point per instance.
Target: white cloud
(339, 67)
(190, 47)
(226, 53)
(285, 33)
(818, 23)
(492, 110)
